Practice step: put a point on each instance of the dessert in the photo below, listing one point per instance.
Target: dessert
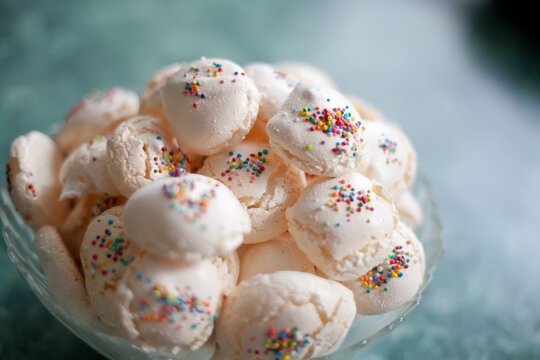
(151, 96)
(264, 184)
(395, 280)
(211, 104)
(318, 131)
(286, 314)
(344, 225)
(97, 113)
(85, 171)
(226, 245)
(191, 217)
(63, 276)
(307, 74)
(409, 210)
(280, 253)
(274, 87)
(391, 159)
(141, 150)
(105, 254)
(85, 209)
(32, 177)
(228, 267)
(172, 304)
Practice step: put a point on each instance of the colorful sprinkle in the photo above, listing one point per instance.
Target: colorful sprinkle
(289, 81)
(391, 268)
(111, 252)
(336, 122)
(282, 345)
(187, 199)
(347, 197)
(103, 204)
(164, 306)
(253, 165)
(389, 148)
(193, 86)
(172, 162)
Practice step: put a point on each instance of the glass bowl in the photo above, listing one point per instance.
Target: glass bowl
(365, 332)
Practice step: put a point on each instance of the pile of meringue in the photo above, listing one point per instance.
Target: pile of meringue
(230, 213)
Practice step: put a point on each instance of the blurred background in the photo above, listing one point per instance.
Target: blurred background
(461, 77)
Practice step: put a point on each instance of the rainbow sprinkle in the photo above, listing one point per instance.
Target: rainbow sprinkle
(95, 97)
(388, 147)
(391, 268)
(172, 162)
(336, 122)
(161, 305)
(346, 196)
(187, 200)
(254, 165)
(103, 204)
(8, 177)
(282, 345)
(115, 247)
(282, 76)
(193, 87)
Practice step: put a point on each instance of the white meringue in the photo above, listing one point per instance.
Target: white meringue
(190, 217)
(105, 254)
(210, 105)
(169, 305)
(97, 113)
(286, 313)
(395, 280)
(32, 176)
(343, 225)
(151, 96)
(85, 171)
(141, 150)
(391, 159)
(280, 253)
(318, 131)
(262, 182)
(63, 276)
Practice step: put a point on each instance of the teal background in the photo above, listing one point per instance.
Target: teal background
(463, 84)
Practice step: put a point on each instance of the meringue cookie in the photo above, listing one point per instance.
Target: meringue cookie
(366, 110)
(105, 253)
(262, 182)
(343, 225)
(280, 253)
(228, 267)
(190, 217)
(307, 74)
(169, 304)
(410, 211)
(86, 208)
(63, 277)
(151, 96)
(97, 113)
(273, 85)
(210, 105)
(318, 131)
(287, 313)
(391, 159)
(141, 150)
(395, 280)
(32, 174)
(85, 170)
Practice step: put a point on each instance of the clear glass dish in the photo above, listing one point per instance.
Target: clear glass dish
(365, 332)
